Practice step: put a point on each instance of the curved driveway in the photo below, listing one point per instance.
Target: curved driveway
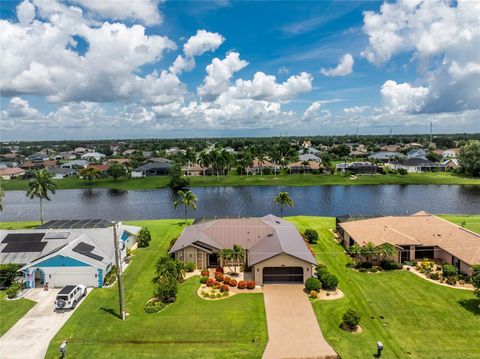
(293, 329)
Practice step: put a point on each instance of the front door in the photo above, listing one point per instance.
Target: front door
(213, 260)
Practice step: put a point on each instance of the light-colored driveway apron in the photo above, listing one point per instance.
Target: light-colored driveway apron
(30, 336)
(293, 328)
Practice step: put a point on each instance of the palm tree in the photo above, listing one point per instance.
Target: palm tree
(39, 186)
(187, 199)
(2, 194)
(226, 255)
(386, 250)
(276, 157)
(283, 199)
(238, 256)
(170, 268)
(205, 161)
(368, 251)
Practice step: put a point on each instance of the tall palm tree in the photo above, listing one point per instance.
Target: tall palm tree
(2, 194)
(226, 255)
(170, 268)
(187, 199)
(386, 250)
(276, 157)
(283, 199)
(369, 251)
(238, 256)
(39, 186)
(205, 161)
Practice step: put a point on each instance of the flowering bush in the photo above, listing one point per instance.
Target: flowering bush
(205, 273)
(250, 284)
(219, 270)
(224, 288)
(219, 277)
(210, 282)
(242, 284)
(226, 279)
(216, 285)
(232, 283)
(313, 294)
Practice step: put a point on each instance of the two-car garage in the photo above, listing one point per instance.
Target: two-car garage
(282, 268)
(282, 274)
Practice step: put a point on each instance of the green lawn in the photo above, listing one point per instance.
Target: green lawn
(11, 311)
(19, 225)
(471, 222)
(189, 328)
(411, 316)
(266, 180)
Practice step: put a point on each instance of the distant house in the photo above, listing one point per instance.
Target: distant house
(418, 236)
(101, 168)
(417, 153)
(9, 173)
(93, 156)
(65, 156)
(310, 157)
(386, 156)
(172, 151)
(391, 148)
(81, 150)
(450, 163)
(451, 153)
(33, 165)
(151, 169)
(260, 166)
(75, 164)
(229, 150)
(60, 172)
(38, 157)
(358, 168)
(301, 167)
(311, 150)
(417, 164)
(197, 170)
(122, 161)
(129, 152)
(160, 160)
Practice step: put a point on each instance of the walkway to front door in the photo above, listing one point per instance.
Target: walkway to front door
(293, 329)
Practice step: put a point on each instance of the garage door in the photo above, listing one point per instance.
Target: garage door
(62, 279)
(282, 274)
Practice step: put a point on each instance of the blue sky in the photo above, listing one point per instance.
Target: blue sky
(338, 66)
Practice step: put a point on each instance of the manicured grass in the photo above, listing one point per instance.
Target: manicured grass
(257, 180)
(189, 328)
(19, 225)
(471, 222)
(411, 316)
(11, 311)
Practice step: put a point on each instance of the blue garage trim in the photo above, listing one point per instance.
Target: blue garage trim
(100, 278)
(125, 235)
(28, 282)
(61, 261)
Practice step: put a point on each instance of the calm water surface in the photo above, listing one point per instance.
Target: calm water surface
(247, 201)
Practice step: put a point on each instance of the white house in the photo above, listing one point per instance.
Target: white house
(93, 156)
(61, 172)
(68, 255)
(75, 164)
(9, 173)
(451, 153)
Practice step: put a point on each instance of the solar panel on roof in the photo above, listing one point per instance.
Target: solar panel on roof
(16, 247)
(57, 235)
(86, 250)
(23, 237)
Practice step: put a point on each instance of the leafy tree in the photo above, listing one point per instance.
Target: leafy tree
(187, 199)
(144, 237)
(89, 173)
(170, 268)
(313, 283)
(386, 250)
(166, 289)
(8, 273)
(40, 186)
(351, 318)
(476, 279)
(470, 158)
(368, 252)
(311, 236)
(177, 180)
(283, 199)
(2, 195)
(116, 170)
(205, 161)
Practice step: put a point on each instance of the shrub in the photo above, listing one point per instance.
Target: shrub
(475, 279)
(203, 280)
(225, 294)
(311, 236)
(171, 244)
(250, 284)
(144, 237)
(205, 273)
(313, 283)
(329, 281)
(219, 277)
(226, 279)
(224, 288)
(449, 271)
(363, 270)
(402, 171)
(218, 295)
(241, 284)
(321, 270)
(366, 265)
(435, 276)
(219, 270)
(232, 283)
(212, 295)
(313, 294)
(452, 280)
(14, 289)
(351, 319)
(111, 276)
(210, 282)
(216, 285)
(388, 264)
(154, 307)
(8, 273)
(190, 266)
(166, 289)
(205, 294)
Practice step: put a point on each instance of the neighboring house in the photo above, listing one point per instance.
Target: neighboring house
(438, 152)
(9, 164)
(60, 172)
(197, 170)
(421, 235)
(275, 250)
(391, 148)
(451, 153)
(260, 166)
(101, 168)
(160, 160)
(386, 156)
(310, 157)
(11, 155)
(65, 156)
(451, 164)
(417, 153)
(122, 161)
(38, 157)
(80, 150)
(9, 173)
(75, 164)
(93, 156)
(416, 165)
(75, 252)
(152, 169)
(129, 152)
(358, 168)
(301, 166)
(174, 151)
(33, 165)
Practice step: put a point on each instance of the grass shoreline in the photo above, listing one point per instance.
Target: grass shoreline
(159, 182)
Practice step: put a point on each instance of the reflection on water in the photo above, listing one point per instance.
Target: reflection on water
(247, 201)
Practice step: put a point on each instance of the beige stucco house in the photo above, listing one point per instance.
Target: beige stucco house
(421, 235)
(276, 252)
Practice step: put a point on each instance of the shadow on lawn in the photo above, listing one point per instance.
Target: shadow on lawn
(110, 311)
(472, 305)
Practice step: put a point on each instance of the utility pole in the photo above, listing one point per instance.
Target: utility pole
(118, 262)
(431, 131)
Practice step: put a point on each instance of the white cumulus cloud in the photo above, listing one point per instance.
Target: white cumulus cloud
(344, 67)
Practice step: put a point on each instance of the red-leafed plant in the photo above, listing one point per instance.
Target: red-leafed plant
(210, 282)
(241, 285)
(205, 273)
(219, 270)
(232, 283)
(250, 284)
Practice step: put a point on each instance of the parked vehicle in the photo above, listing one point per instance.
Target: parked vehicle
(69, 296)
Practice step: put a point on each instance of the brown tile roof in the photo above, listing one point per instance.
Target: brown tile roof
(101, 168)
(46, 164)
(314, 165)
(11, 171)
(257, 164)
(119, 160)
(421, 229)
(263, 237)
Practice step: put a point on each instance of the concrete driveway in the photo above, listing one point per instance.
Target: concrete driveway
(293, 329)
(30, 336)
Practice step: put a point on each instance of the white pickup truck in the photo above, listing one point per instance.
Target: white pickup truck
(69, 296)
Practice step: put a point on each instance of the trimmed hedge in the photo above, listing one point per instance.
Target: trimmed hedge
(190, 266)
(351, 318)
(313, 283)
(154, 307)
(329, 281)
